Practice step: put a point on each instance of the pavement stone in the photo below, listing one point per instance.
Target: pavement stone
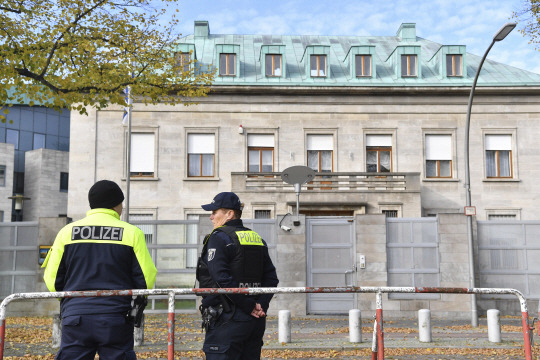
(323, 337)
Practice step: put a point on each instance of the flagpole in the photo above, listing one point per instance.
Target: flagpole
(128, 177)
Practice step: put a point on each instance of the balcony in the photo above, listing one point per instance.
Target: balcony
(340, 182)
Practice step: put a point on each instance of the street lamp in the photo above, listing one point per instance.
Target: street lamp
(19, 200)
(500, 35)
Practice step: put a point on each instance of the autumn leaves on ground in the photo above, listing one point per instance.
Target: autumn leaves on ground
(30, 338)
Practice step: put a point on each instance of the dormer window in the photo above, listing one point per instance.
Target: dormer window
(227, 64)
(183, 61)
(273, 65)
(318, 65)
(363, 65)
(454, 65)
(408, 66)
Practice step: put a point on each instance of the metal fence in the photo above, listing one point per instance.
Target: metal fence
(508, 253)
(171, 294)
(412, 248)
(18, 257)
(175, 246)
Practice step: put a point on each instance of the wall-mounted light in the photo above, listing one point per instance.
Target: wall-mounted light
(351, 155)
(291, 155)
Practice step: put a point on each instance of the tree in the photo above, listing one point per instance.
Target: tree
(81, 53)
(530, 17)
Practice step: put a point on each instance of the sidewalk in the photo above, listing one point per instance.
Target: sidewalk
(312, 337)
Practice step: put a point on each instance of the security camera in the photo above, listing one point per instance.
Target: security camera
(285, 228)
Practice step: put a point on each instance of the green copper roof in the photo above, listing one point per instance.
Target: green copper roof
(340, 51)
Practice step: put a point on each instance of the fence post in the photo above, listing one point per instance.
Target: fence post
(355, 326)
(424, 325)
(284, 326)
(56, 331)
(380, 333)
(494, 325)
(170, 330)
(538, 313)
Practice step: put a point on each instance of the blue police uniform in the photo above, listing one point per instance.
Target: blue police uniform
(236, 334)
(99, 252)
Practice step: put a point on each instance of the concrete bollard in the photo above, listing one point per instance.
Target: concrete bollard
(284, 326)
(56, 331)
(355, 326)
(494, 325)
(424, 325)
(138, 334)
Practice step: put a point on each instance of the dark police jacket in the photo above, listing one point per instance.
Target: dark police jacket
(99, 252)
(222, 264)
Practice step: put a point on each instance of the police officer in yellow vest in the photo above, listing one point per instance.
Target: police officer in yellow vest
(233, 256)
(99, 252)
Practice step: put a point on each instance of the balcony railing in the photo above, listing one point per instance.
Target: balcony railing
(335, 182)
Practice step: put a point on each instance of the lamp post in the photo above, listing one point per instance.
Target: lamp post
(19, 200)
(500, 35)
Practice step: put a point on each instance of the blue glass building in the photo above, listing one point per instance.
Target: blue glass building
(29, 128)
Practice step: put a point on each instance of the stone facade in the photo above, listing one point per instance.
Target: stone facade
(294, 107)
(42, 183)
(291, 119)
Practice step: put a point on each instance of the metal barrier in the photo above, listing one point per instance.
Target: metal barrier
(378, 350)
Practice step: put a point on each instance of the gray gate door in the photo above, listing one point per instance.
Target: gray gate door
(330, 261)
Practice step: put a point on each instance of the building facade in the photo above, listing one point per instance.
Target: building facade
(380, 119)
(29, 128)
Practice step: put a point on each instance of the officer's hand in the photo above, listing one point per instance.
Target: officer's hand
(258, 312)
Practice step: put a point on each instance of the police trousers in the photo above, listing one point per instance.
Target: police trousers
(235, 336)
(110, 335)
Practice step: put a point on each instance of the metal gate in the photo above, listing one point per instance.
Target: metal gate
(508, 255)
(330, 262)
(18, 257)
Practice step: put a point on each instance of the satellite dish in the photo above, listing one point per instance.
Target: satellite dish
(298, 174)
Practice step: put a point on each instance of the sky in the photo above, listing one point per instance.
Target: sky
(450, 22)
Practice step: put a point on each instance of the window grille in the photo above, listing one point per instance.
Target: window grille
(263, 214)
(147, 229)
(390, 213)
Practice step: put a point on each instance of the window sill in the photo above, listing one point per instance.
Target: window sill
(501, 180)
(194, 178)
(440, 180)
(141, 179)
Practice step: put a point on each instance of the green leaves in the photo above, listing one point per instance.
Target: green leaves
(529, 17)
(83, 53)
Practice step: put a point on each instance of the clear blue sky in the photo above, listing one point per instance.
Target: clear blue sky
(451, 22)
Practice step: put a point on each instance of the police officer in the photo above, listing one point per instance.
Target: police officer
(99, 252)
(233, 256)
